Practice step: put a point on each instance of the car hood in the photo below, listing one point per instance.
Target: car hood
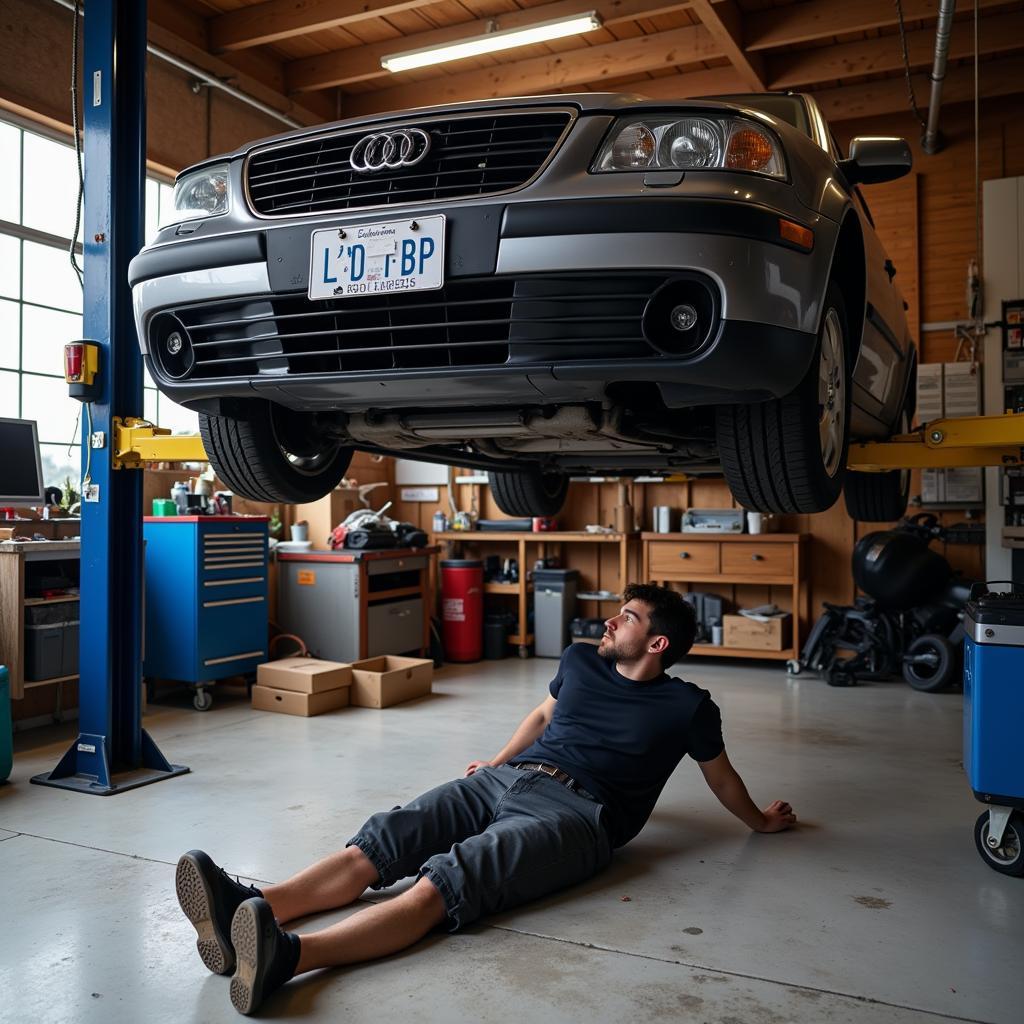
(585, 103)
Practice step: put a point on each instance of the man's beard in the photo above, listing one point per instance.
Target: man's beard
(610, 652)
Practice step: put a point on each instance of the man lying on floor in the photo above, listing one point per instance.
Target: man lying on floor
(578, 778)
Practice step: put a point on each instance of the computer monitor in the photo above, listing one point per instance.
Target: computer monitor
(21, 471)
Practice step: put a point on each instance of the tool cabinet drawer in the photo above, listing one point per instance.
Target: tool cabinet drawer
(680, 559)
(757, 560)
(394, 627)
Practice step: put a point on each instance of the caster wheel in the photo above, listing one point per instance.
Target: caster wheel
(793, 667)
(203, 700)
(1008, 857)
(524, 651)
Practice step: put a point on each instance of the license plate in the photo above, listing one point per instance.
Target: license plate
(374, 259)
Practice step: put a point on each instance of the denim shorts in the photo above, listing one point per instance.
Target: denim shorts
(494, 840)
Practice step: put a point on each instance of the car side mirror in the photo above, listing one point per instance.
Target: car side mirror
(874, 159)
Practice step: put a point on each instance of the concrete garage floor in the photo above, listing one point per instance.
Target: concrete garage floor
(878, 909)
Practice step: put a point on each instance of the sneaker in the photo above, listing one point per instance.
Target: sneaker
(209, 897)
(267, 955)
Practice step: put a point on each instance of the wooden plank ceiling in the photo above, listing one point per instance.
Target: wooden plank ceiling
(320, 59)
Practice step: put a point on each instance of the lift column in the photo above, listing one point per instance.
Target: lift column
(111, 739)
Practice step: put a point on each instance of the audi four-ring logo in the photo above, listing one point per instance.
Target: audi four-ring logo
(390, 150)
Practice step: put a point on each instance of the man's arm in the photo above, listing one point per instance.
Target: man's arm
(530, 729)
(726, 784)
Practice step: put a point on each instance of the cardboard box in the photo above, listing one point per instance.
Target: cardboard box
(324, 515)
(291, 702)
(304, 675)
(381, 682)
(751, 635)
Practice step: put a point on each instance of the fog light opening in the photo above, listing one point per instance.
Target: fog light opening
(172, 347)
(680, 317)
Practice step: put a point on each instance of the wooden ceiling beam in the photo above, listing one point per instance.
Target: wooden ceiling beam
(779, 27)
(1002, 77)
(362, 63)
(281, 19)
(724, 20)
(996, 34)
(309, 111)
(583, 66)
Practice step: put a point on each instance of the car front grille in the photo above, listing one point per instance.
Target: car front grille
(475, 155)
(489, 321)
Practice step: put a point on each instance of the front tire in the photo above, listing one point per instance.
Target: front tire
(789, 454)
(529, 492)
(269, 453)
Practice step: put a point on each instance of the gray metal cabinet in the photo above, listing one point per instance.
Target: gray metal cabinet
(347, 605)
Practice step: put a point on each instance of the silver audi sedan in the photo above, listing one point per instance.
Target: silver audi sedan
(539, 287)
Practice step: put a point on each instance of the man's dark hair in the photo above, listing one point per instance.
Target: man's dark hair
(670, 616)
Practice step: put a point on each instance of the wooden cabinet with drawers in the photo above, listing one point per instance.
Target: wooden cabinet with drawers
(749, 570)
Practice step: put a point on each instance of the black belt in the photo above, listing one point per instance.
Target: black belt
(555, 773)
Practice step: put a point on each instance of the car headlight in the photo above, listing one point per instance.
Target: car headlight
(203, 193)
(660, 142)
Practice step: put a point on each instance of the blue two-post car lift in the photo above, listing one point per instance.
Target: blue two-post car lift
(112, 752)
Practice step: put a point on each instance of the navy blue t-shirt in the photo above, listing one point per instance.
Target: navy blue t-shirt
(621, 739)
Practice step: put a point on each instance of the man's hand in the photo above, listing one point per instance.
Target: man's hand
(473, 765)
(778, 816)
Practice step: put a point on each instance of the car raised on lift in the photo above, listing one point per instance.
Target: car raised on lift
(539, 287)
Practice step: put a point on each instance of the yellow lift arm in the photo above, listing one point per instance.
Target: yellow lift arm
(941, 444)
(945, 444)
(137, 442)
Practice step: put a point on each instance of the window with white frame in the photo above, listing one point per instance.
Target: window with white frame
(41, 300)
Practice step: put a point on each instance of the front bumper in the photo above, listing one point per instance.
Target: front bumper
(769, 295)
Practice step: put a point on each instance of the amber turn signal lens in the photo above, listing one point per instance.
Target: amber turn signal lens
(796, 233)
(749, 150)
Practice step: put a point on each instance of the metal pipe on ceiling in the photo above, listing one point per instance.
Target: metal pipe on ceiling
(207, 79)
(931, 141)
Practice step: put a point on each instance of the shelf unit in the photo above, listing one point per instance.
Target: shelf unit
(14, 555)
(541, 541)
(764, 559)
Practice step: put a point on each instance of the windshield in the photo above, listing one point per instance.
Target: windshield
(786, 108)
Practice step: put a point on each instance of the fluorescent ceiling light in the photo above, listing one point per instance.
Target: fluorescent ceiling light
(491, 42)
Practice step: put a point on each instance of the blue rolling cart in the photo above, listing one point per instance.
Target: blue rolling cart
(206, 599)
(993, 714)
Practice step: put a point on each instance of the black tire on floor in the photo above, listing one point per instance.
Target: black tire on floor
(933, 676)
(529, 492)
(772, 453)
(268, 453)
(1008, 858)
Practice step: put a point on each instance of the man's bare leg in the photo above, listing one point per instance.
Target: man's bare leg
(333, 882)
(377, 931)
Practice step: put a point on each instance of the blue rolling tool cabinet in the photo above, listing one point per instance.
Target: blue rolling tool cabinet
(993, 715)
(206, 599)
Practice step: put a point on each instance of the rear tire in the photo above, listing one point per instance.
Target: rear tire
(879, 497)
(529, 492)
(789, 454)
(269, 453)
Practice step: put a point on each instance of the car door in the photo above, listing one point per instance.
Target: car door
(880, 372)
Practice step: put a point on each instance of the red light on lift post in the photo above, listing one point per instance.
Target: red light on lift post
(81, 365)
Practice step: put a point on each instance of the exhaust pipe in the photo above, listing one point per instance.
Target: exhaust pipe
(931, 141)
